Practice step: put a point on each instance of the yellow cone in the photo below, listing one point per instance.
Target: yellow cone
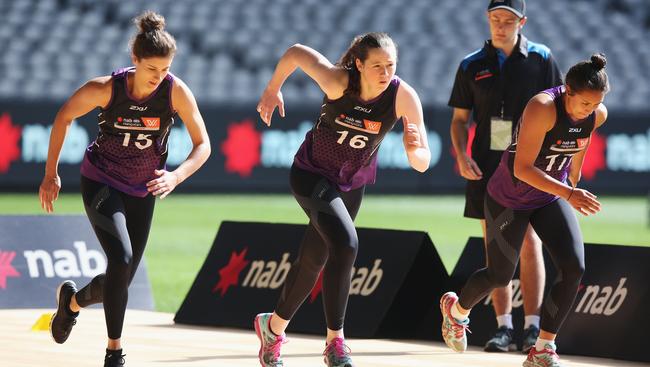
(43, 323)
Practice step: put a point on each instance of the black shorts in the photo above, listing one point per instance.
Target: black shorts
(475, 198)
(475, 190)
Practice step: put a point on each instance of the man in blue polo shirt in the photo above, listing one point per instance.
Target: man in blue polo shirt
(492, 87)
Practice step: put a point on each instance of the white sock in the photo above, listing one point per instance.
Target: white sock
(541, 344)
(505, 320)
(455, 313)
(531, 320)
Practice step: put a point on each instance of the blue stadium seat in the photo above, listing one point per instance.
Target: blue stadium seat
(228, 48)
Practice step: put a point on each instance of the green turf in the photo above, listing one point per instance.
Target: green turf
(185, 225)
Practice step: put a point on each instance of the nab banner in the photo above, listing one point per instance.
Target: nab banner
(250, 157)
(249, 262)
(609, 317)
(37, 253)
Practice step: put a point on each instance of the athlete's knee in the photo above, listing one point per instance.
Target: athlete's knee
(346, 247)
(122, 263)
(572, 270)
(531, 247)
(352, 243)
(126, 260)
(312, 263)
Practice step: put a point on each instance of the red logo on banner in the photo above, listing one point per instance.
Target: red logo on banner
(9, 137)
(229, 274)
(242, 148)
(6, 269)
(595, 157)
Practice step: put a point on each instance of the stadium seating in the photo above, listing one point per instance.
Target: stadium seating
(228, 48)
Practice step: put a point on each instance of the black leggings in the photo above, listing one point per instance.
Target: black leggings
(330, 244)
(558, 228)
(121, 223)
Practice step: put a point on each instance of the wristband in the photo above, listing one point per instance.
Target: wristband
(569, 198)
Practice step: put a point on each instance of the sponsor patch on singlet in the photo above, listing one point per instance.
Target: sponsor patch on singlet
(142, 123)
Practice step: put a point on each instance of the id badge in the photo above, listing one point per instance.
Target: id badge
(500, 133)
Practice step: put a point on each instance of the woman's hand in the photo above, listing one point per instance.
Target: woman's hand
(268, 102)
(164, 184)
(583, 201)
(411, 135)
(48, 192)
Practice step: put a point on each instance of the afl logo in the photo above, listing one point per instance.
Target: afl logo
(582, 142)
(151, 122)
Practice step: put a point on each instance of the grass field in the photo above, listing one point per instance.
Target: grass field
(184, 226)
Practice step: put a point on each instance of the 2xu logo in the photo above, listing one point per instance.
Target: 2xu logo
(596, 300)
(272, 274)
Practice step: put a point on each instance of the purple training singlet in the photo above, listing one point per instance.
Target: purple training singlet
(133, 136)
(343, 144)
(561, 143)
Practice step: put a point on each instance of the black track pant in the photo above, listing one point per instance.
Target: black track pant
(330, 244)
(557, 226)
(121, 223)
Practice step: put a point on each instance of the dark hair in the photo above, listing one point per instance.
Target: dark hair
(359, 50)
(152, 39)
(589, 74)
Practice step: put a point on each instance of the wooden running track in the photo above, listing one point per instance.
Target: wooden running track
(152, 339)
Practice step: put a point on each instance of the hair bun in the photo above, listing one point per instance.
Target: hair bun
(150, 21)
(598, 61)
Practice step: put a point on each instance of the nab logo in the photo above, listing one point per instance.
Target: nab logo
(138, 108)
(271, 274)
(151, 122)
(65, 263)
(365, 281)
(602, 301)
(229, 274)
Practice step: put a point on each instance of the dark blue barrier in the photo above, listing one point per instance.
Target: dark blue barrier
(38, 252)
(249, 157)
(609, 317)
(394, 273)
(397, 282)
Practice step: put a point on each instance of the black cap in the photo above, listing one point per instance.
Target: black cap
(518, 7)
